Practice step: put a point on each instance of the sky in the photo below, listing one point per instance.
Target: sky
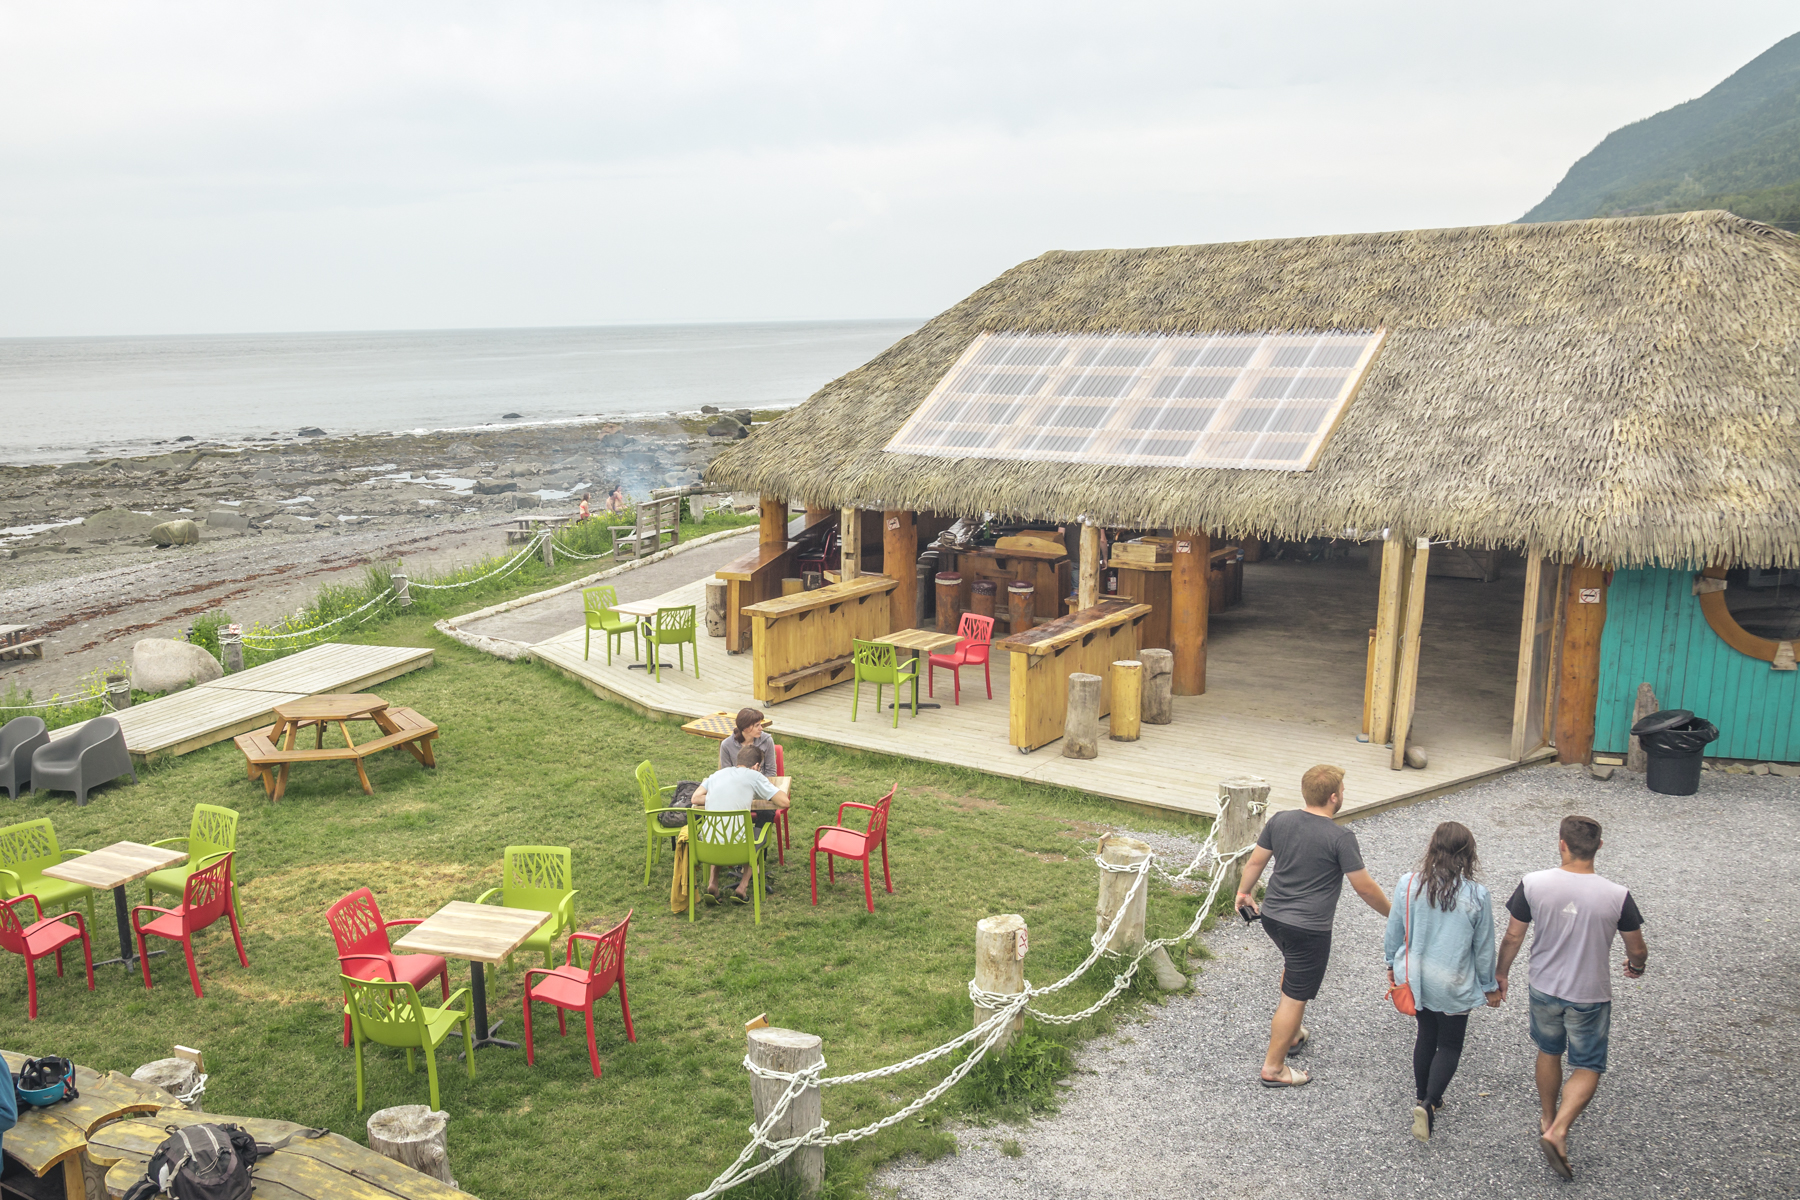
(229, 167)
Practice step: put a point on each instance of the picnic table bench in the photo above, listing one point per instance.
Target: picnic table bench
(14, 643)
(526, 528)
(264, 758)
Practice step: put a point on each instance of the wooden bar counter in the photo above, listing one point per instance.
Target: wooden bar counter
(1043, 658)
(754, 577)
(801, 643)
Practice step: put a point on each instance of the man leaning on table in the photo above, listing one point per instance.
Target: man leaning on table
(743, 788)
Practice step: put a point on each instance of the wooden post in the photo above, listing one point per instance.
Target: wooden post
(1580, 682)
(815, 515)
(715, 607)
(1636, 759)
(791, 584)
(1243, 807)
(1159, 675)
(1087, 591)
(787, 1051)
(1406, 683)
(550, 549)
(402, 588)
(231, 649)
(1368, 684)
(1081, 728)
(1000, 944)
(772, 527)
(899, 561)
(415, 1135)
(1394, 563)
(1127, 700)
(1114, 887)
(1189, 598)
(849, 544)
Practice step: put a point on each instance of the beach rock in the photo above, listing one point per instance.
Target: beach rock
(1600, 772)
(225, 519)
(744, 416)
(709, 409)
(312, 431)
(493, 487)
(522, 500)
(166, 665)
(510, 417)
(1785, 770)
(727, 427)
(176, 533)
(613, 441)
(1416, 758)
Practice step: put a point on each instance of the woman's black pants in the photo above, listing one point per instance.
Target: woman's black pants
(1436, 1053)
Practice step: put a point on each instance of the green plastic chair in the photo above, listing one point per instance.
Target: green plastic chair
(538, 877)
(879, 663)
(391, 1014)
(653, 807)
(673, 627)
(212, 833)
(725, 840)
(25, 850)
(597, 605)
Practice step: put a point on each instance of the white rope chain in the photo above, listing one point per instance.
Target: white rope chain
(504, 569)
(311, 630)
(1006, 1007)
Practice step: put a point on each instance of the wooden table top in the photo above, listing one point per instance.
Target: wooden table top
(115, 865)
(824, 597)
(719, 726)
(484, 933)
(781, 785)
(746, 566)
(644, 608)
(1051, 635)
(926, 640)
(8, 630)
(331, 708)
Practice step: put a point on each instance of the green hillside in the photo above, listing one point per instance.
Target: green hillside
(1737, 147)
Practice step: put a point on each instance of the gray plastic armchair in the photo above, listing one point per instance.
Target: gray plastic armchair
(19, 737)
(92, 755)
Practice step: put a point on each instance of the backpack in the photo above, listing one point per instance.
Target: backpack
(206, 1162)
(683, 798)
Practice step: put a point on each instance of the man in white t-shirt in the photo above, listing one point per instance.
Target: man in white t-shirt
(742, 788)
(1576, 913)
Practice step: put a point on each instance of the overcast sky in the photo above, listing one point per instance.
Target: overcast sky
(185, 168)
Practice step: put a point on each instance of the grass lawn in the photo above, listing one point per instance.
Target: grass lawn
(529, 757)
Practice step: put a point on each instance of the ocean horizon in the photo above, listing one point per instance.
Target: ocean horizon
(70, 398)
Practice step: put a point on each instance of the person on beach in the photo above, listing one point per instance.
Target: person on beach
(749, 733)
(1575, 912)
(616, 502)
(584, 514)
(1440, 941)
(740, 788)
(1313, 856)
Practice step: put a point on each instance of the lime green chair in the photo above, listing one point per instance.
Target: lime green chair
(25, 850)
(538, 877)
(391, 1014)
(726, 840)
(879, 663)
(654, 833)
(673, 627)
(597, 605)
(212, 833)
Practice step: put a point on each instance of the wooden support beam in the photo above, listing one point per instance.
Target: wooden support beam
(899, 560)
(1087, 592)
(849, 544)
(1406, 682)
(1585, 606)
(815, 515)
(1395, 554)
(1190, 596)
(772, 528)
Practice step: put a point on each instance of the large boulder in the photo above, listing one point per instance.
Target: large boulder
(176, 533)
(166, 665)
(727, 427)
(517, 500)
(225, 519)
(493, 487)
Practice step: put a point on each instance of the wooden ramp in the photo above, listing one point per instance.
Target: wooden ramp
(1229, 731)
(224, 708)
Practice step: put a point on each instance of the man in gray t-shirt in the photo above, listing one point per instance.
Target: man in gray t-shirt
(1313, 856)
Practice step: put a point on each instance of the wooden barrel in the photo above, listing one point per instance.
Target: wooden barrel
(1021, 600)
(981, 598)
(949, 585)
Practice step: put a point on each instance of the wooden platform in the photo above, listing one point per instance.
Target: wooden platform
(1176, 767)
(212, 712)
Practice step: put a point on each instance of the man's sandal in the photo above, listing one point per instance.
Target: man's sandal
(1300, 1044)
(1559, 1162)
(1294, 1079)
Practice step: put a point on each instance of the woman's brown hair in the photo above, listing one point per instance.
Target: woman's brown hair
(1449, 859)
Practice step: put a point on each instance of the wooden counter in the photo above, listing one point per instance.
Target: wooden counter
(801, 643)
(748, 580)
(1043, 658)
(1148, 583)
(1046, 571)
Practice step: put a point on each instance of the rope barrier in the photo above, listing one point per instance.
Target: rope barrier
(311, 630)
(504, 569)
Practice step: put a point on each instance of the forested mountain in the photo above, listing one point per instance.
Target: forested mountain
(1737, 147)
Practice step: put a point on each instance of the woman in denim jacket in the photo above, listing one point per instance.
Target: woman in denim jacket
(1450, 963)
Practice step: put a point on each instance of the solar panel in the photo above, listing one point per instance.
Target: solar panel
(1254, 401)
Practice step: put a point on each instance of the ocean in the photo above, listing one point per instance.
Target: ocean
(66, 399)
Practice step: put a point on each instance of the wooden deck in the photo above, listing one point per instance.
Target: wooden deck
(212, 712)
(1229, 731)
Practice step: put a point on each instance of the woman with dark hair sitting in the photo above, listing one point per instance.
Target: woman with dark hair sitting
(1440, 940)
(750, 732)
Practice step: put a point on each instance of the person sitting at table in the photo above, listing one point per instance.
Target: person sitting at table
(740, 788)
(749, 733)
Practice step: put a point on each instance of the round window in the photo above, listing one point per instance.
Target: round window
(1765, 604)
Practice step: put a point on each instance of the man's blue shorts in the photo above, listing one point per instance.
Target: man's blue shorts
(1581, 1030)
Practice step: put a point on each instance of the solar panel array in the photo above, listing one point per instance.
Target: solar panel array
(1257, 401)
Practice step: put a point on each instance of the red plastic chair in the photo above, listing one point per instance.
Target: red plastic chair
(206, 897)
(360, 932)
(574, 988)
(43, 936)
(977, 633)
(782, 840)
(837, 841)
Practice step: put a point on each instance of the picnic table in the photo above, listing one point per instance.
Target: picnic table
(481, 933)
(14, 643)
(266, 758)
(112, 867)
(49, 1142)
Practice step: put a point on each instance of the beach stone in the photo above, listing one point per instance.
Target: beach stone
(166, 665)
(1416, 758)
(614, 441)
(493, 487)
(118, 523)
(744, 416)
(1600, 772)
(727, 427)
(1760, 769)
(522, 500)
(509, 417)
(709, 409)
(225, 519)
(176, 533)
(1785, 770)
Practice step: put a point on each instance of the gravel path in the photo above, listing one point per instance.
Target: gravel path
(1699, 1099)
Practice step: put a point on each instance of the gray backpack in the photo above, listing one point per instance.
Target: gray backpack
(206, 1162)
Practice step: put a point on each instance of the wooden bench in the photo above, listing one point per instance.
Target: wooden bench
(832, 667)
(262, 756)
(14, 643)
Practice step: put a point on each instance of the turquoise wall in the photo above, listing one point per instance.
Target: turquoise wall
(1655, 633)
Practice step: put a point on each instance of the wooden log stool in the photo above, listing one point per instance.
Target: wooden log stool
(981, 598)
(1127, 700)
(1081, 728)
(949, 600)
(1021, 601)
(715, 607)
(1158, 684)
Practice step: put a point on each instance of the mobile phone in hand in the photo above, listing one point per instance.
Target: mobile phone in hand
(1249, 914)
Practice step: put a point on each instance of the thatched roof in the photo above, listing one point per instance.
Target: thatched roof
(1625, 389)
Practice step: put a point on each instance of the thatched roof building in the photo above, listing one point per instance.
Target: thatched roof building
(1627, 390)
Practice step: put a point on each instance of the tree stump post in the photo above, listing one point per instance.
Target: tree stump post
(1127, 700)
(791, 584)
(1635, 758)
(787, 1051)
(1115, 886)
(402, 587)
(1000, 945)
(715, 607)
(177, 1076)
(1081, 728)
(549, 550)
(1243, 806)
(231, 649)
(413, 1134)
(1159, 686)
(1021, 604)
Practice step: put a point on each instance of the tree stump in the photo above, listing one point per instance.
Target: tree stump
(1000, 944)
(1127, 700)
(812, 581)
(176, 1076)
(1243, 807)
(789, 1050)
(1021, 604)
(1159, 686)
(1081, 728)
(715, 607)
(1635, 758)
(413, 1134)
(549, 550)
(949, 596)
(1114, 887)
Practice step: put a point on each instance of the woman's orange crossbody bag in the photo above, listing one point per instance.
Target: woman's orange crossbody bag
(1401, 993)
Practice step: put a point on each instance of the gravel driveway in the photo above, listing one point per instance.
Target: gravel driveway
(1699, 1100)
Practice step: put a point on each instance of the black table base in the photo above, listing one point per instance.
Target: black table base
(484, 1030)
(127, 948)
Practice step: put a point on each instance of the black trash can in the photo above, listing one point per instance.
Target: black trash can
(1675, 742)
